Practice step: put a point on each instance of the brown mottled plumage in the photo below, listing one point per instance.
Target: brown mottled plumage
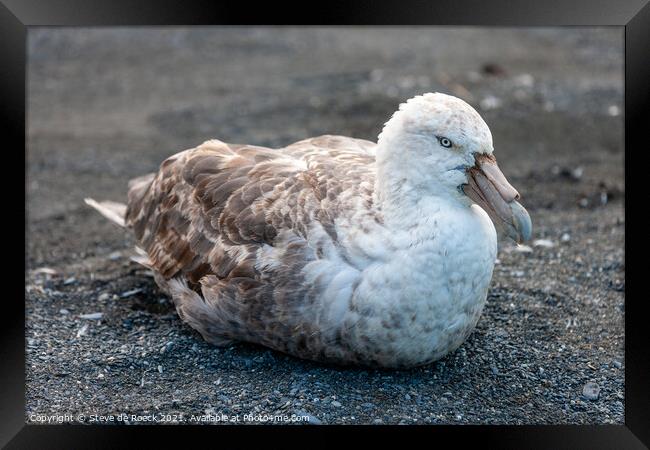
(208, 212)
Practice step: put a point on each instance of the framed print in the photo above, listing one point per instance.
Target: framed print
(402, 214)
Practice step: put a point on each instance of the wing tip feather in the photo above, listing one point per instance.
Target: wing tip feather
(113, 211)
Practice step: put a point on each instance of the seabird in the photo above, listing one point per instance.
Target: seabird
(333, 248)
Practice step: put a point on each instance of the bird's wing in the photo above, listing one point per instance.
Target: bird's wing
(239, 224)
(210, 210)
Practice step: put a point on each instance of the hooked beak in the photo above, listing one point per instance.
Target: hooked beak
(488, 187)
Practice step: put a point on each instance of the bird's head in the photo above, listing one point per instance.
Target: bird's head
(440, 144)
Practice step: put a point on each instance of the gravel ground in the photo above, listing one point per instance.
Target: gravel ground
(105, 105)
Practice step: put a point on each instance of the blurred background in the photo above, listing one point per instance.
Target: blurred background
(108, 104)
(99, 97)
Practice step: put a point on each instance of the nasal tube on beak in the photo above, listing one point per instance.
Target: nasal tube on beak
(490, 189)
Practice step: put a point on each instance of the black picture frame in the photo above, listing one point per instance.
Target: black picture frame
(17, 15)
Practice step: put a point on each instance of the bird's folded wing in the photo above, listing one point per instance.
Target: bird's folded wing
(208, 210)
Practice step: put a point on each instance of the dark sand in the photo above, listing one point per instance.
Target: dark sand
(107, 105)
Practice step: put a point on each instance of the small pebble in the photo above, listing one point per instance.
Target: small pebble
(525, 80)
(493, 69)
(64, 311)
(591, 391)
(490, 102)
(165, 348)
(617, 364)
(546, 243)
(576, 173)
(45, 270)
(337, 404)
(82, 331)
(92, 316)
(69, 281)
(523, 249)
(130, 293)
(104, 296)
(566, 237)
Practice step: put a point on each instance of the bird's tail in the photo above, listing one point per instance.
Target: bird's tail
(113, 211)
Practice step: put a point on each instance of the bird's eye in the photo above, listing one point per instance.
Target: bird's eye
(444, 142)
